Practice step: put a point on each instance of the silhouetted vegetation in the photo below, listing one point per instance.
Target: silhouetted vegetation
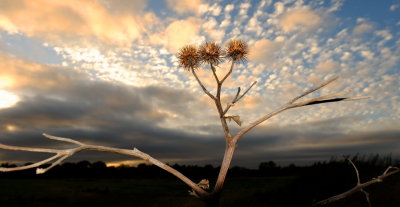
(269, 185)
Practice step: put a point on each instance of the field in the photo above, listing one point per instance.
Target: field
(245, 191)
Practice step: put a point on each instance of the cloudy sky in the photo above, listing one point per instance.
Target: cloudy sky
(106, 72)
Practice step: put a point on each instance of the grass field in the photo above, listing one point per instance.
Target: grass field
(120, 192)
(274, 191)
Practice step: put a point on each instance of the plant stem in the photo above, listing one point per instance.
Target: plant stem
(228, 155)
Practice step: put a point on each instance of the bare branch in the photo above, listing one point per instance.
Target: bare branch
(62, 154)
(237, 97)
(28, 149)
(390, 168)
(217, 101)
(62, 139)
(228, 74)
(214, 73)
(202, 86)
(251, 86)
(366, 197)
(360, 187)
(226, 162)
(355, 169)
(321, 100)
(323, 84)
(291, 104)
(41, 170)
(37, 164)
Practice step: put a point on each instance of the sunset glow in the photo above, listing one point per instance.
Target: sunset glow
(107, 72)
(7, 99)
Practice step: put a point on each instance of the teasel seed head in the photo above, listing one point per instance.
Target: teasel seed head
(237, 50)
(188, 57)
(211, 53)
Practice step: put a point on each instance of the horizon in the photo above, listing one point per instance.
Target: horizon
(371, 159)
(106, 72)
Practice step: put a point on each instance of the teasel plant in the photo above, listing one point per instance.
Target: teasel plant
(193, 58)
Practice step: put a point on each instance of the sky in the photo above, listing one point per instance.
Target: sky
(106, 72)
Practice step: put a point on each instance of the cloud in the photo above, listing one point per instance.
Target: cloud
(362, 28)
(124, 6)
(71, 89)
(72, 99)
(327, 66)
(264, 50)
(184, 6)
(178, 34)
(394, 7)
(138, 97)
(299, 19)
(57, 21)
(212, 31)
(18, 74)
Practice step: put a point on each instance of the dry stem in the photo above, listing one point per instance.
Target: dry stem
(230, 140)
(359, 186)
(61, 155)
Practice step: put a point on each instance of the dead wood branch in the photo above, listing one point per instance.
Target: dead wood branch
(62, 154)
(359, 186)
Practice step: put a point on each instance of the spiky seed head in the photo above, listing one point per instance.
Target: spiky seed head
(210, 52)
(189, 57)
(237, 50)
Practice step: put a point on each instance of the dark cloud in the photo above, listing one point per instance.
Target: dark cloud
(71, 104)
(99, 112)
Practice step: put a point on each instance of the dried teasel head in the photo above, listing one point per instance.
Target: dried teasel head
(189, 57)
(237, 50)
(210, 52)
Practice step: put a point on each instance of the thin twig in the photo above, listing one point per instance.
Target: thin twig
(238, 97)
(248, 89)
(218, 104)
(366, 197)
(323, 84)
(355, 169)
(390, 168)
(214, 73)
(202, 86)
(62, 139)
(37, 164)
(228, 74)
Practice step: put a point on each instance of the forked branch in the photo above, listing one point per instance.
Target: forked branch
(230, 149)
(333, 97)
(190, 58)
(359, 186)
(237, 97)
(62, 154)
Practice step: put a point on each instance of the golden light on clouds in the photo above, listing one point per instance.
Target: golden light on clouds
(299, 19)
(7, 99)
(184, 6)
(11, 128)
(70, 19)
(6, 81)
(106, 69)
(177, 34)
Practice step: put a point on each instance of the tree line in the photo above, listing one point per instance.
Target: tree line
(368, 166)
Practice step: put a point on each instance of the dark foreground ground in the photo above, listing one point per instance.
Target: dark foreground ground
(93, 184)
(259, 191)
